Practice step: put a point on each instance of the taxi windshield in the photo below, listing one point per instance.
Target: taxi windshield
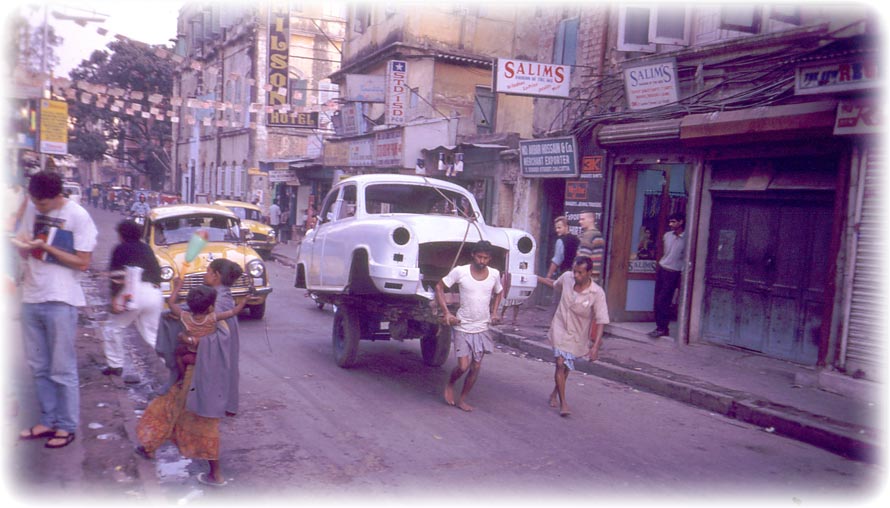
(175, 230)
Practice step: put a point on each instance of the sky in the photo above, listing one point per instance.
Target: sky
(152, 22)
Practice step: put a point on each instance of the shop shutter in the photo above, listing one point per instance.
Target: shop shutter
(867, 324)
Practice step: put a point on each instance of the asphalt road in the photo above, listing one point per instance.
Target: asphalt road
(307, 429)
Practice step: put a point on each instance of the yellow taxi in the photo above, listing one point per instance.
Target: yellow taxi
(168, 231)
(262, 236)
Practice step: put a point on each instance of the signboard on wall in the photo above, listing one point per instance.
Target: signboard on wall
(361, 152)
(365, 88)
(396, 92)
(842, 76)
(861, 116)
(53, 127)
(651, 85)
(388, 148)
(549, 158)
(519, 77)
(585, 193)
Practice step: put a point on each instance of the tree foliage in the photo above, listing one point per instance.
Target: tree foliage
(27, 44)
(141, 143)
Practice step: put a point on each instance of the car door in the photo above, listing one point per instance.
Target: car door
(339, 239)
(311, 248)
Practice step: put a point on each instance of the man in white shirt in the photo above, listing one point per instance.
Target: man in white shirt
(275, 219)
(480, 295)
(51, 294)
(667, 273)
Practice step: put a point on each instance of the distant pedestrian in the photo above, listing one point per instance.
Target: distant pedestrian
(480, 294)
(51, 294)
(143, 307)
(577, 327)
(592, 244)
(275, 219)
(667, 273)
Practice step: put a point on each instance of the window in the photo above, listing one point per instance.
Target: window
(670, 25)
(566, 44)
(347, 207)
(742, 18)
(483, 110)
(641, 27)
(785, 13)
(362, 18)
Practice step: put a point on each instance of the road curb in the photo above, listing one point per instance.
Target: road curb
(836, 437)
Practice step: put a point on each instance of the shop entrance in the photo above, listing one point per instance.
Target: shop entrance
(644, 196)
(766, 272)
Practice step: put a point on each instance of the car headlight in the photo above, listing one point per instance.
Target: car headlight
(401, 235)
(255, 268)
(166, 273)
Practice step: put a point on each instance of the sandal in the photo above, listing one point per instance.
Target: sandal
(29, 434)
(67, 440)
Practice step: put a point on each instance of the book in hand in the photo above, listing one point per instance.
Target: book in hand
(59, 238)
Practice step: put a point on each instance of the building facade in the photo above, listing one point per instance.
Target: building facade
(255, 103)
(760, 123)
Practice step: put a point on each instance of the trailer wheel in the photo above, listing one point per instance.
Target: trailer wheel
(436, 345)
(346, 334)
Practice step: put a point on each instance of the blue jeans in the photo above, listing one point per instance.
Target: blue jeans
(50, 329)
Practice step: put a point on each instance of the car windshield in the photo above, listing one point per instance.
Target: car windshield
(420, 199)
(247, 213)
(180, 229)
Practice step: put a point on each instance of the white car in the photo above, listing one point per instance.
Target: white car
(72, 191)
(381, 244)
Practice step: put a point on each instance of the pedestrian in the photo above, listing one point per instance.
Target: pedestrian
(221, 275)
(667, 273)
(592, 244)
(577, 327)
(480, 295)
(51, 293)
(105, 192)
(188, 413)
(143, 306)
(94, 195)
(275, 219)
(284, 223)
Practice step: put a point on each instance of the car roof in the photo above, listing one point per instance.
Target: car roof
(167, 211)
(237, 204)
(378, 178)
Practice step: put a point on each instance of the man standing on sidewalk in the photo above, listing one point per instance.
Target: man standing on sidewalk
(275, 219)
(667, 273)
(60, 237)
(592, 244)
(478, 283)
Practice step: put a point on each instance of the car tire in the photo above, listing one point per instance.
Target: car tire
(436, 345)
(347, 332)
(257, 311)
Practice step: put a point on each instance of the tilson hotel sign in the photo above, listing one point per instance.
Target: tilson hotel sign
(519, 77)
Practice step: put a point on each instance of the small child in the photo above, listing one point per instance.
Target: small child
(199, 321)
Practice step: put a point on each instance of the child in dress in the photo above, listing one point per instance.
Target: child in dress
(199, 321)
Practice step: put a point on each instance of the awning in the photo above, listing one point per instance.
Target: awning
(463, 146)
(759, 124)
(639, 132)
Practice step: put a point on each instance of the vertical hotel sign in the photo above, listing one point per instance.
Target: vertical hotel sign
(279, 38)
(396, 92)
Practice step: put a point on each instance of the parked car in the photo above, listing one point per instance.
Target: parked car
(168, 231)
(73, 191)
(381, 244)
(262, 236)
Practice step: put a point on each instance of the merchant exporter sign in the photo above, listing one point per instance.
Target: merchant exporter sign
(549, 158)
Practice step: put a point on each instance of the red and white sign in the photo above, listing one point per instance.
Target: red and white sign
(388, 148)
(863, 116)
(396, 92)
(519, 77)
(652, 85)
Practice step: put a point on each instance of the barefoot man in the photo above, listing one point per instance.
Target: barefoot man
(478, 283)
(577, 327)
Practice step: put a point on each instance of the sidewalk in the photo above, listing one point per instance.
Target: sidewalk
(778, 396)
